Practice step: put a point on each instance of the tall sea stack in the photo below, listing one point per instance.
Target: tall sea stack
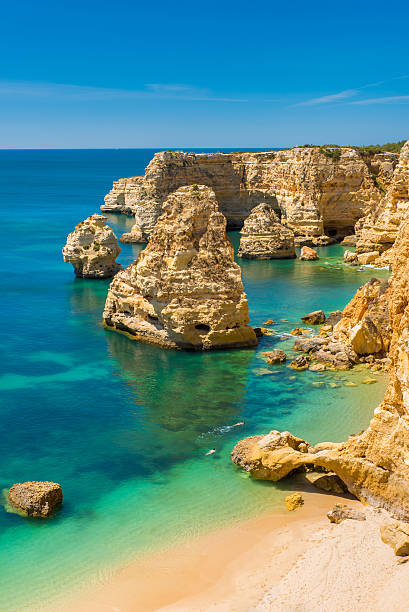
(184, 290)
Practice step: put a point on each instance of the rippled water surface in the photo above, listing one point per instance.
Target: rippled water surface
(124, 426)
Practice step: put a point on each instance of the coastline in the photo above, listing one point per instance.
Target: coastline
(235, 568)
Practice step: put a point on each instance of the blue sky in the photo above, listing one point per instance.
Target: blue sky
(209, 74)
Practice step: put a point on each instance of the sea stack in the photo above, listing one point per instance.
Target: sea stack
(264, 237)
(92, 249)
(184, 290)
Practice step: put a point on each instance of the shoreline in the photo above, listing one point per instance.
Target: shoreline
(226, 569)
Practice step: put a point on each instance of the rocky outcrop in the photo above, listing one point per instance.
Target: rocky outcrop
(35, 498)
(317, 317)
(184, 290)
(396, 535)
(92, 249)
(340, 512)
(378, 230)
(374, 465)
(314, 193)
(264, 237)
(308, 254)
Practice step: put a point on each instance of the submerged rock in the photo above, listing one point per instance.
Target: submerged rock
(264, 237)
(92, 249)
(294, 501)
(276, 356)
(340, 512)
(308, 254)
(35, 498)
(184, 290)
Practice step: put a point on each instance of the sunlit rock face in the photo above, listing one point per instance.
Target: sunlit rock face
(264, 237)
(92, 249)
(378, 230)
(374, 465)
(184, 290)
(314, 193)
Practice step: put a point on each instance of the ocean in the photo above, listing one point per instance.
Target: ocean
(124, 426)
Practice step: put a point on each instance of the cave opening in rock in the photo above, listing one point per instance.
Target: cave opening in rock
(202, 327)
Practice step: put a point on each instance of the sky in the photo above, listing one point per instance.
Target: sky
(88, 74)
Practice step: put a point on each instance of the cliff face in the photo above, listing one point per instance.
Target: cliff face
(378, 229)
(264, 237)
(92, 249)
(374, 465)
(313, 193)
(185, 289)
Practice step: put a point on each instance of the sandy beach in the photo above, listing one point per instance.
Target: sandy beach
(296, 562)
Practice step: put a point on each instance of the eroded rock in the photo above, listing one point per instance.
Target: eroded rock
(92, 249)
(308, 254)
(264, 237)
(396, 535)
(35, 498)
(294, 501)
(317, 317)
(276, 356)
(184, 290)
(340, 512)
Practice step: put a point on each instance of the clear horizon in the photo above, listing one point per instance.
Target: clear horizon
(83, 76)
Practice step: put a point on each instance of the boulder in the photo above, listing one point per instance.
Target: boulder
(35, 498)
(334, 317)
(184, 290)
(300, 363)
(351, 257)
(397, 536)
(264, 237)
(308, 254)
(272, 457)
(276, 356)
(367, 258)
(92, 249)
(340, 512)
(294, 501)
(317, 317)
(327, 481)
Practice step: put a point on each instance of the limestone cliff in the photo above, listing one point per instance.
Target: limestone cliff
(92, 249)
(314, 192)
(374, 465)
(378, 229)
(184, 290)
(264, 237)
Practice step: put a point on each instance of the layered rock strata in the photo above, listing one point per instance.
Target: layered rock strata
(264, 237)
(184, 290)
(316, 194)
(92, 249)
(374, 465)
(378, 230)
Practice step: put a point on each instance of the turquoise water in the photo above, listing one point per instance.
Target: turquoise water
(124, 426)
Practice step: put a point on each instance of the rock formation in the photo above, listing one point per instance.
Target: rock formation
(397, 536)
(264, 237)
(316, 194)
(378, 230)
(92, 249)
(185, 289)
(374, 465)
(308, 254)
(35, 498)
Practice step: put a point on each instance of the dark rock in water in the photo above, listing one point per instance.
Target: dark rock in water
(300, 363)
(35, 498)
(317, 317)
(341, 512)
(258, 331)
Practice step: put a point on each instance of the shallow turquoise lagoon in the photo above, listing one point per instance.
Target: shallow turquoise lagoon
(124, 426)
